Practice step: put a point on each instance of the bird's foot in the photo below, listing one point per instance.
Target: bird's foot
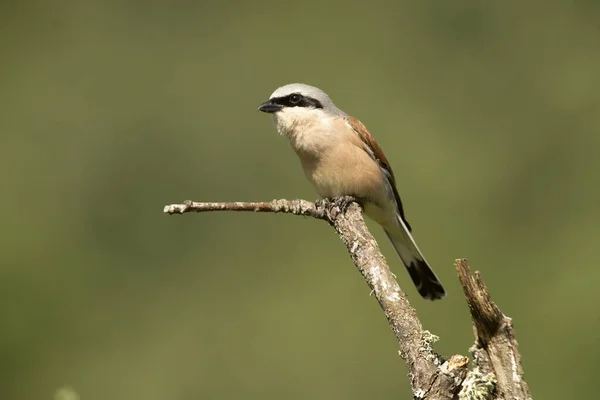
(343, 202)
(323, 203)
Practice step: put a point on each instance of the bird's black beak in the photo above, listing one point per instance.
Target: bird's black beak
(270, 107)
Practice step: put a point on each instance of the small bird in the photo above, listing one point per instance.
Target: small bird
(341, 158)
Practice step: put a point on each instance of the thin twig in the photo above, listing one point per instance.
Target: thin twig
(298, 207)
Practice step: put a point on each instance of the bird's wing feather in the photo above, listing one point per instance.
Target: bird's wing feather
(373, 149)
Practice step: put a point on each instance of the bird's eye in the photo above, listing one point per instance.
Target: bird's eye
(295, 98)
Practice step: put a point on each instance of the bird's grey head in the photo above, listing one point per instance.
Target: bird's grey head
(302, 98)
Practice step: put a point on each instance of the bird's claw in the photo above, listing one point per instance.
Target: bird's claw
(343, 202)
(323, 203)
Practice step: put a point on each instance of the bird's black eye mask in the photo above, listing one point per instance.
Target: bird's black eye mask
(296, 100)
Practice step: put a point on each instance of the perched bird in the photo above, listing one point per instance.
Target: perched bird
(341, 158)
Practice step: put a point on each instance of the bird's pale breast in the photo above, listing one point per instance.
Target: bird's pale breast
(336, 163)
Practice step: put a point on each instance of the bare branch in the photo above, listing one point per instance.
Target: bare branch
(495, 351)
(428, 380)
(497, 373)
(298, 207)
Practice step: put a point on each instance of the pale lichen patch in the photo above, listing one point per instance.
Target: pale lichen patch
(394, 296)
(477, 386)
(427, 340)
(378, 278)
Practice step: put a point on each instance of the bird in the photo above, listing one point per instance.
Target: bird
(340, 157)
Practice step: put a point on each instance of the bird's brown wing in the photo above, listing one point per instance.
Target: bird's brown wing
(373, 149)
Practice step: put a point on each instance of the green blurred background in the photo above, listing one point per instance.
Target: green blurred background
(488, 111)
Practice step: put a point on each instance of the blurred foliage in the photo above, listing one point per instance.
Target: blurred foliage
(489, 112)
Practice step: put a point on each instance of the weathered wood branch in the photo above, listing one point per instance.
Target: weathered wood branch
(496, 373)
(496, 351)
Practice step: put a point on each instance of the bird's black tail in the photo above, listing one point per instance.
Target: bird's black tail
(422, 275)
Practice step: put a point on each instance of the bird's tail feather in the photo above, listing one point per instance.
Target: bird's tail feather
(422, 275)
